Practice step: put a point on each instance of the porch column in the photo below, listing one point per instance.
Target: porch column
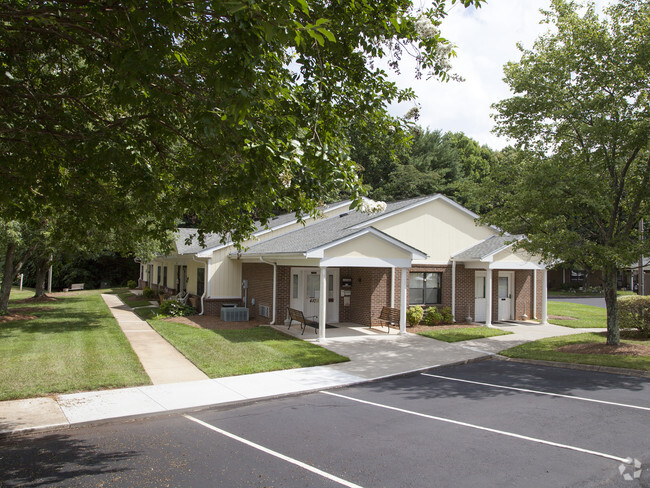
(534, 313)
(322, 304)
(392, 287)
(488, 297)
(402, 308)
(453, 290)
(544, 299)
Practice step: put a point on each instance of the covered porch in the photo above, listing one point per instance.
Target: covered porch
(343, 283)
(509, 285)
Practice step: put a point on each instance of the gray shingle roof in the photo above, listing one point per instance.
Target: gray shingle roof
(214, 240)
(323, 232)
(487, 247)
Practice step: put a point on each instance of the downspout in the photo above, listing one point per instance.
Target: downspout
(275, 286)
(206, 280)
(453, 289)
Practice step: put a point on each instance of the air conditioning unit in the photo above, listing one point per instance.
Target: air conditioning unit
(234, 314)
(265, 311)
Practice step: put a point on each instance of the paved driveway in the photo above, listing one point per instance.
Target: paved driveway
(492, 423)
(593, 301)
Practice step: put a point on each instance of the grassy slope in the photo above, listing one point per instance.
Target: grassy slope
(234, 352)
(546, 349)
(586, 316)
(74, 345)
(463, 334)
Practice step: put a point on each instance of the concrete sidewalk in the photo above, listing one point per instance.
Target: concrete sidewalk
(161, 361)
(371, 357)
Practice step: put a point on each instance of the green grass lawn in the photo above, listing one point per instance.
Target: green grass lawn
(74, 344)
(584, 315)
(221, 353)
(133, 300)
(462, 334)
(546, 349)
(147, 313)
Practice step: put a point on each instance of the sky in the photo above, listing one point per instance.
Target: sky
(486, 39)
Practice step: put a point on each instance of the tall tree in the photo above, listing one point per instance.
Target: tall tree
(581, 115)
(223, 110)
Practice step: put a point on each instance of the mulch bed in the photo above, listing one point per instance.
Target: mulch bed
(46, 298)
(426, 328)
(24, 313)
(215, 323)
(598, 348)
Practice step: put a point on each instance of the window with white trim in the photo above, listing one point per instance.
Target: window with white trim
(425, 288)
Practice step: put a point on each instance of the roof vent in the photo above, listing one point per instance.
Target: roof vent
(343, 214)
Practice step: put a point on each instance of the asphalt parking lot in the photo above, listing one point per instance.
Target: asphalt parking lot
(491, 423)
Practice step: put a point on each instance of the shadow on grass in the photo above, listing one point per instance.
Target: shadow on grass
(56, 458)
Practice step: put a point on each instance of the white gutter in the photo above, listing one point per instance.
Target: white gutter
(453, 289)
(275, 286)
(206, 281)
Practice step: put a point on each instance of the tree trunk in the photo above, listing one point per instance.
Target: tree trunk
(7, 277)
(610, 281)
(42, 267)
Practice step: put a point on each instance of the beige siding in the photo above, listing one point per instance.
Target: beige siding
(437, 228)
(520, 256)
(366, 246)
(225, 274)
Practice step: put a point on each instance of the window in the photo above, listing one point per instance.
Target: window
(577, 276)
(200, 281)
(294, 286)
(158, 276)
(425, 289)
(479, 287)
(165, 276)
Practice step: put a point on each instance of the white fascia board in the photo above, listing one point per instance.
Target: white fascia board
(319, 252)
(501, 265)
(491, 255)
(356, 262)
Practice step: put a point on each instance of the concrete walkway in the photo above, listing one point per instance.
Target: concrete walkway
(372, 356)
(161, 361)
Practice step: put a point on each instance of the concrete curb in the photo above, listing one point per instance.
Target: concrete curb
(5, 434)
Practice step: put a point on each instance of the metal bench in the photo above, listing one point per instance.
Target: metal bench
(76, 286)
(298, 316)
(390, 316)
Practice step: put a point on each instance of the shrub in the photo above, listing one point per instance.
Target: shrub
(131, 284)
(634, 312)
(174, 308)
(148, 293)
(414, 315)
(433, 316)
(447, 316)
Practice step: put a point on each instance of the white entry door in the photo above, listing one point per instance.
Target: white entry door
(306, 292)
(506, 280)
(480, 302)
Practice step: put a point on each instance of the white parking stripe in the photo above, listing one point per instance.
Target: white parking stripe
(627, 460)
(536, 392)
(305, 466)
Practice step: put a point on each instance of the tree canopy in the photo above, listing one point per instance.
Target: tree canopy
(125, 116)
(580, 114)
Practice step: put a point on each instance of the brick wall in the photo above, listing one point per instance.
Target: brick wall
(260, 285)
(369, 293)
(523, 294)
(283, 293)
(213, 305)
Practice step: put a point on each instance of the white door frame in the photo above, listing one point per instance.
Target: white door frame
(480, 304)
(299, 300)
(509, 312)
